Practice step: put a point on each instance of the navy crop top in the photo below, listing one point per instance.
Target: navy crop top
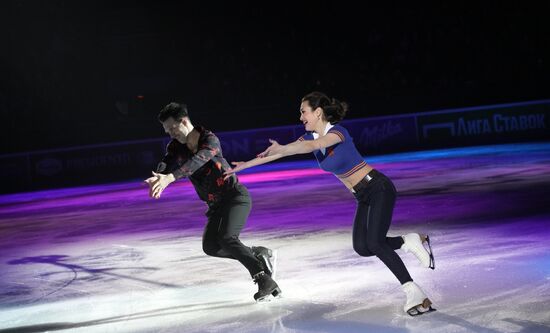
(341, 159)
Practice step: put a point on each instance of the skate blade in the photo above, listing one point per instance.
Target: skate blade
(421, 309)
(276, 293)
(432, 260)
(265, 299)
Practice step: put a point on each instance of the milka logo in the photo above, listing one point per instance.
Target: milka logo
(372, 136)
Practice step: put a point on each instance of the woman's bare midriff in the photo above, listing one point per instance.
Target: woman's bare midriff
(354, 179)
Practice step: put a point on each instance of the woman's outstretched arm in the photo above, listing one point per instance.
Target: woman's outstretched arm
(277, 151)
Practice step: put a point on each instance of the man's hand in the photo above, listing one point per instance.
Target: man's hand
(158, 183)
(275, 148)
(239, 166)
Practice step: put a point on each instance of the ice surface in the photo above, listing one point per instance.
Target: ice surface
(108, 259)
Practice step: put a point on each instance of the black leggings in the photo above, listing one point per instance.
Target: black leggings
(225, 222)
(375, 204)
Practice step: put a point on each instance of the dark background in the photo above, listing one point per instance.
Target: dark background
(84, 72)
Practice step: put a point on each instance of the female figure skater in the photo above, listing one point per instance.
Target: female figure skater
(375, 193)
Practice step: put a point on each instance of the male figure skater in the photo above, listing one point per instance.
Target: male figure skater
(195, 153)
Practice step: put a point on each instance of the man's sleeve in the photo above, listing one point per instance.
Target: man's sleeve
(168, 162)
(207, 149)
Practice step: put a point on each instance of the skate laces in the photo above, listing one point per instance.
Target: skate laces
(420, 251)
(432, 260)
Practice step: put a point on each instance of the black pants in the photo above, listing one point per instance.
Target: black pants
(375, 204)
(225, 222)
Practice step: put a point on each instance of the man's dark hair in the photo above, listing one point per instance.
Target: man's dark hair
(174, 110)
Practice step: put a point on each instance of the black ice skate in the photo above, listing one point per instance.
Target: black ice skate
(266, 287)
(267, 258)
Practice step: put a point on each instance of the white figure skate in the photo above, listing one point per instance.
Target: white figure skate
(413, 243)
(417, 302)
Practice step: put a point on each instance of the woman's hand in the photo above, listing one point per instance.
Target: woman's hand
(158, 183)
(239, 166)
(275, 148)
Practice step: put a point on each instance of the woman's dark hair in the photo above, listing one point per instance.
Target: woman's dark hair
(177, 111)
(333, 110)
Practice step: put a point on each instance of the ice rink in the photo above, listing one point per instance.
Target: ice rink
(109, 259)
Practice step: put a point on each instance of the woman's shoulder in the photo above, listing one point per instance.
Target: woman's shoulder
(339, 130)
(338, 127)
